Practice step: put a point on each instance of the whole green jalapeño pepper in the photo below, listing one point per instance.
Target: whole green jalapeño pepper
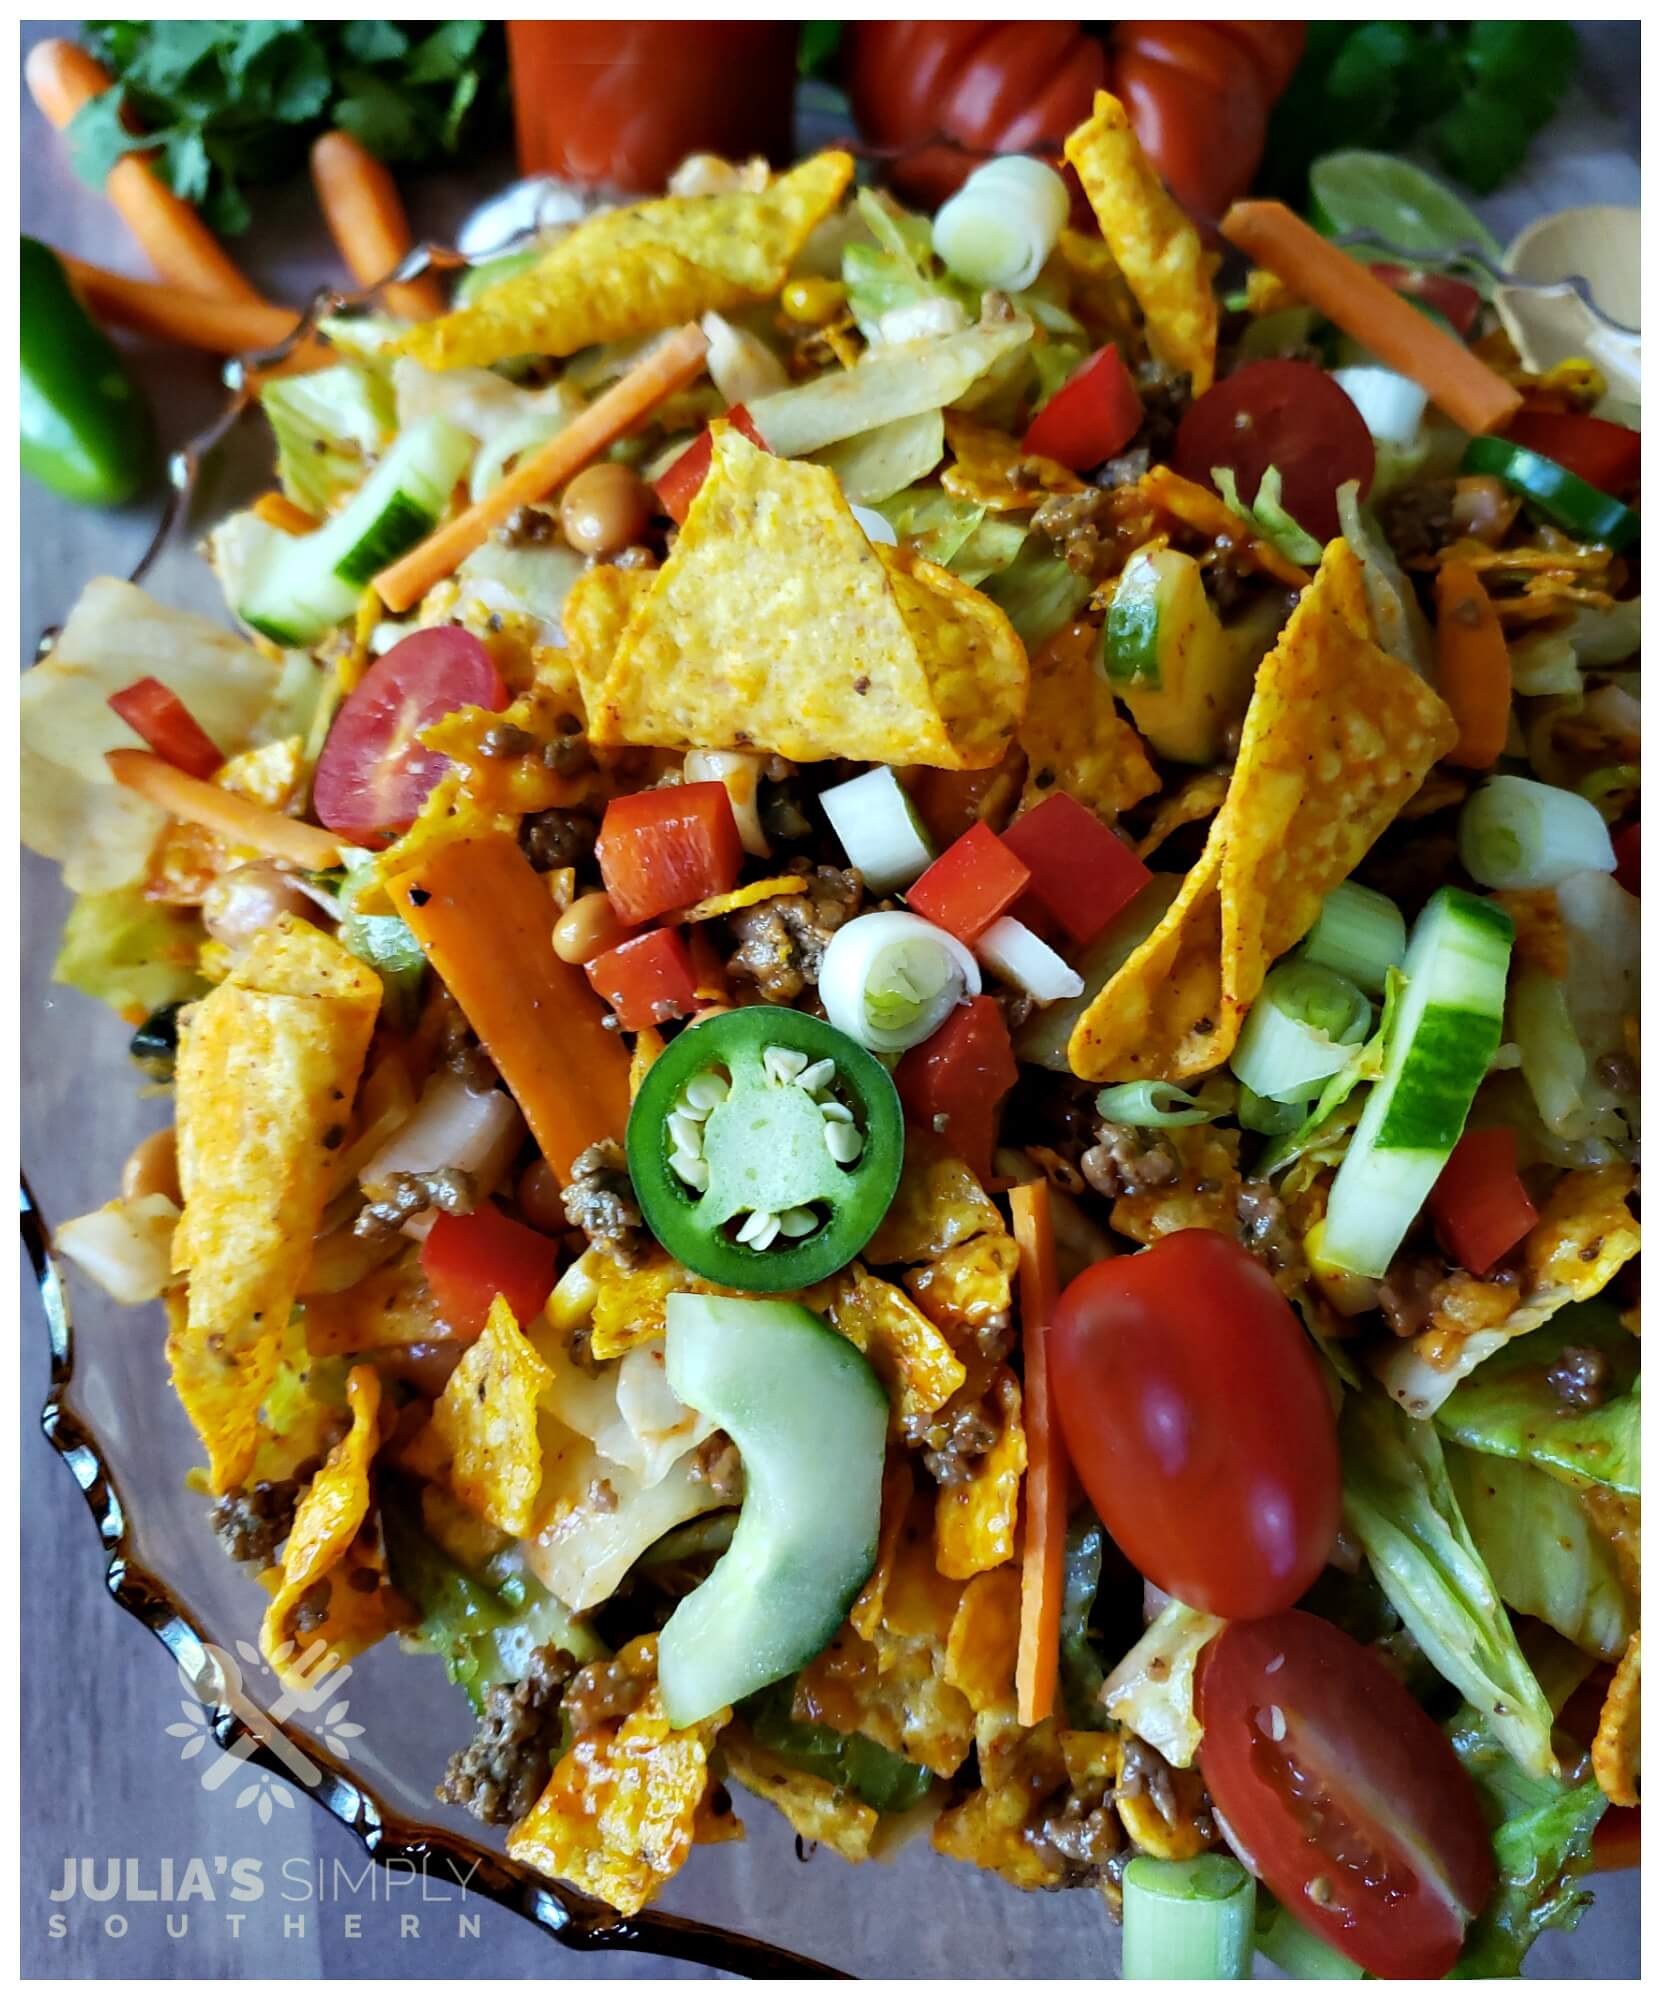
(85, 431)
(765, 1147)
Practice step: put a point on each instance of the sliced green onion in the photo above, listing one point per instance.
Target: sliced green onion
(890, 978)
(1022, 958)
(1158, 1106)
(1554, 1063)
(1360, 934)
(1545, 663)
(999, 228)
(1516, 833)
(1263, 1114)
(1188, 1919)
(878, 829)
(1298, 1952)
(1391, 406)
(1299, 1031)
(1611, 789)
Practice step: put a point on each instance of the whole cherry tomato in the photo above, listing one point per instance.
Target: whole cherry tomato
(1198, 105)
(1341, 1794)
(1287, 414)
(1198, 1421)
(374, 774)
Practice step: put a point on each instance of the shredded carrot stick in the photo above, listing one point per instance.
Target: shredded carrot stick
(663, 372)
(277, 510)
(61, 78)
(1461, 386)
(367, 221)
(481, 914)
(1044, 1535)
(1473, 667)
(240, 820)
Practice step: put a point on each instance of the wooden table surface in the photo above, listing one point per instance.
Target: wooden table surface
(101, 1779)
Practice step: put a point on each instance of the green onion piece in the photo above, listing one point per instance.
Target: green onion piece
(1611, 788)
(1300, 1030)
(1554, 1063)
(1359, 934)
(1188, 1919)
(1158, 1106)
(1298, 1952)
(1545, 663)
(1263, 1114)
(1516, 833)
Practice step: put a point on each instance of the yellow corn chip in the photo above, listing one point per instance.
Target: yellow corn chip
(1200, 797)
(391, 1307)
(743, 898)
(776, 625)
(990, 468)
(620, 1811)
(326, 1524)
(974, 1523)
(648, 1046)
(898, 1486)
(996, 1826)
(815, 1808)
(1617, 1757)
(938, 1203)
(913, 1358)
(1075, 738)
(268, 1066)
(1154, 244)
(1172, 1820)
(487, 1417)
(966, 1289)
(632, 271)
(596, 611)
(981, 1646)
(1338, 736)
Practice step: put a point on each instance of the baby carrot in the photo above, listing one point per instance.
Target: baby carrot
(366, 219)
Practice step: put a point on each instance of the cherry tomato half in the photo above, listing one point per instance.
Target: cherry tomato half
(374, 774)
(1198, 1422)
(1283, 413)
(1341, 1794)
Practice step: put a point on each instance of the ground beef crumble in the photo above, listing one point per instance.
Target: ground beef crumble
(501, 1773)
(602, 1692)
(600, 1202)
(1264, 1228)
(253, 1525)
(717, 1463)
(558, 838)
(782, 941)
(1123, 1161)
(953, 1437)
(401, 1197)
(1579, 1378)
(1418, 520)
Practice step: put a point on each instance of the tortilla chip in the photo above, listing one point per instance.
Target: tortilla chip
(1201, 1195)
(326, 1524)
(966, 1290)
(775, 625)
(487, 1416)
(990, 468)
(1200, 798)
(1074, 736)
(1163, 490)
(1170, 1820)
(981, 1646)
(937, 1204)
(898, 1486)
(1153, 242)
(974, 1522)
(1617, 1757)
(996, 1826)
(619, 1814)
(268, 1066)
(816, 1809)
(913, 1359)
(391, 1307)
(1338, 736)
(596, 611)
(632, 271)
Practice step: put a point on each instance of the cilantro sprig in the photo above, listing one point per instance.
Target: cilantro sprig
(230, 104)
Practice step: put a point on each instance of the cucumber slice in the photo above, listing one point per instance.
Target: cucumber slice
(1442, 1038)
(810, 1419)
(311, 582)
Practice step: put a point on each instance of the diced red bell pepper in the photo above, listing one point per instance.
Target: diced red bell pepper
(648, 981)
(678, 487)
(954, 1084)
(1083, 874)
(162, 719)
(1095, 413)
(1457, 302)
(665, 849)
(1607, 456)
(971, 885)
(1479, 1204)
(1627, 859)
(468, 1259)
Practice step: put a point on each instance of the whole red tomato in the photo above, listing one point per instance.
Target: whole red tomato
(1198, 1422)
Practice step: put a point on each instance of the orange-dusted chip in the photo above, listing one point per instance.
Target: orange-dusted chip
(816, 1809)
(1339, 735)
(1617, 1747)
(1163, 490)
(327, 1520)
(776, 625)
(1201, 797)
(487, 1416)
(596, 611)
(990, 468)
(921, 1601)
(898, 1486)
(620, 1812)
(391, 1307)
(1201, 1194)
(268, 1067)
(981, 1646)
(938, 1203)
(632, 271)
(1153, 242)
(913, 1358)
(966, 1290)
(1075, 739)
(974, 1522)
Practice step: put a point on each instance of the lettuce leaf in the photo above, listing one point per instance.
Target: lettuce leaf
(1082, 1667)
(957, 534)
(1400, 1504)
(1151, 1690)
(1267, 514)
(1038, 594)
(329, 427)
(131, 953)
